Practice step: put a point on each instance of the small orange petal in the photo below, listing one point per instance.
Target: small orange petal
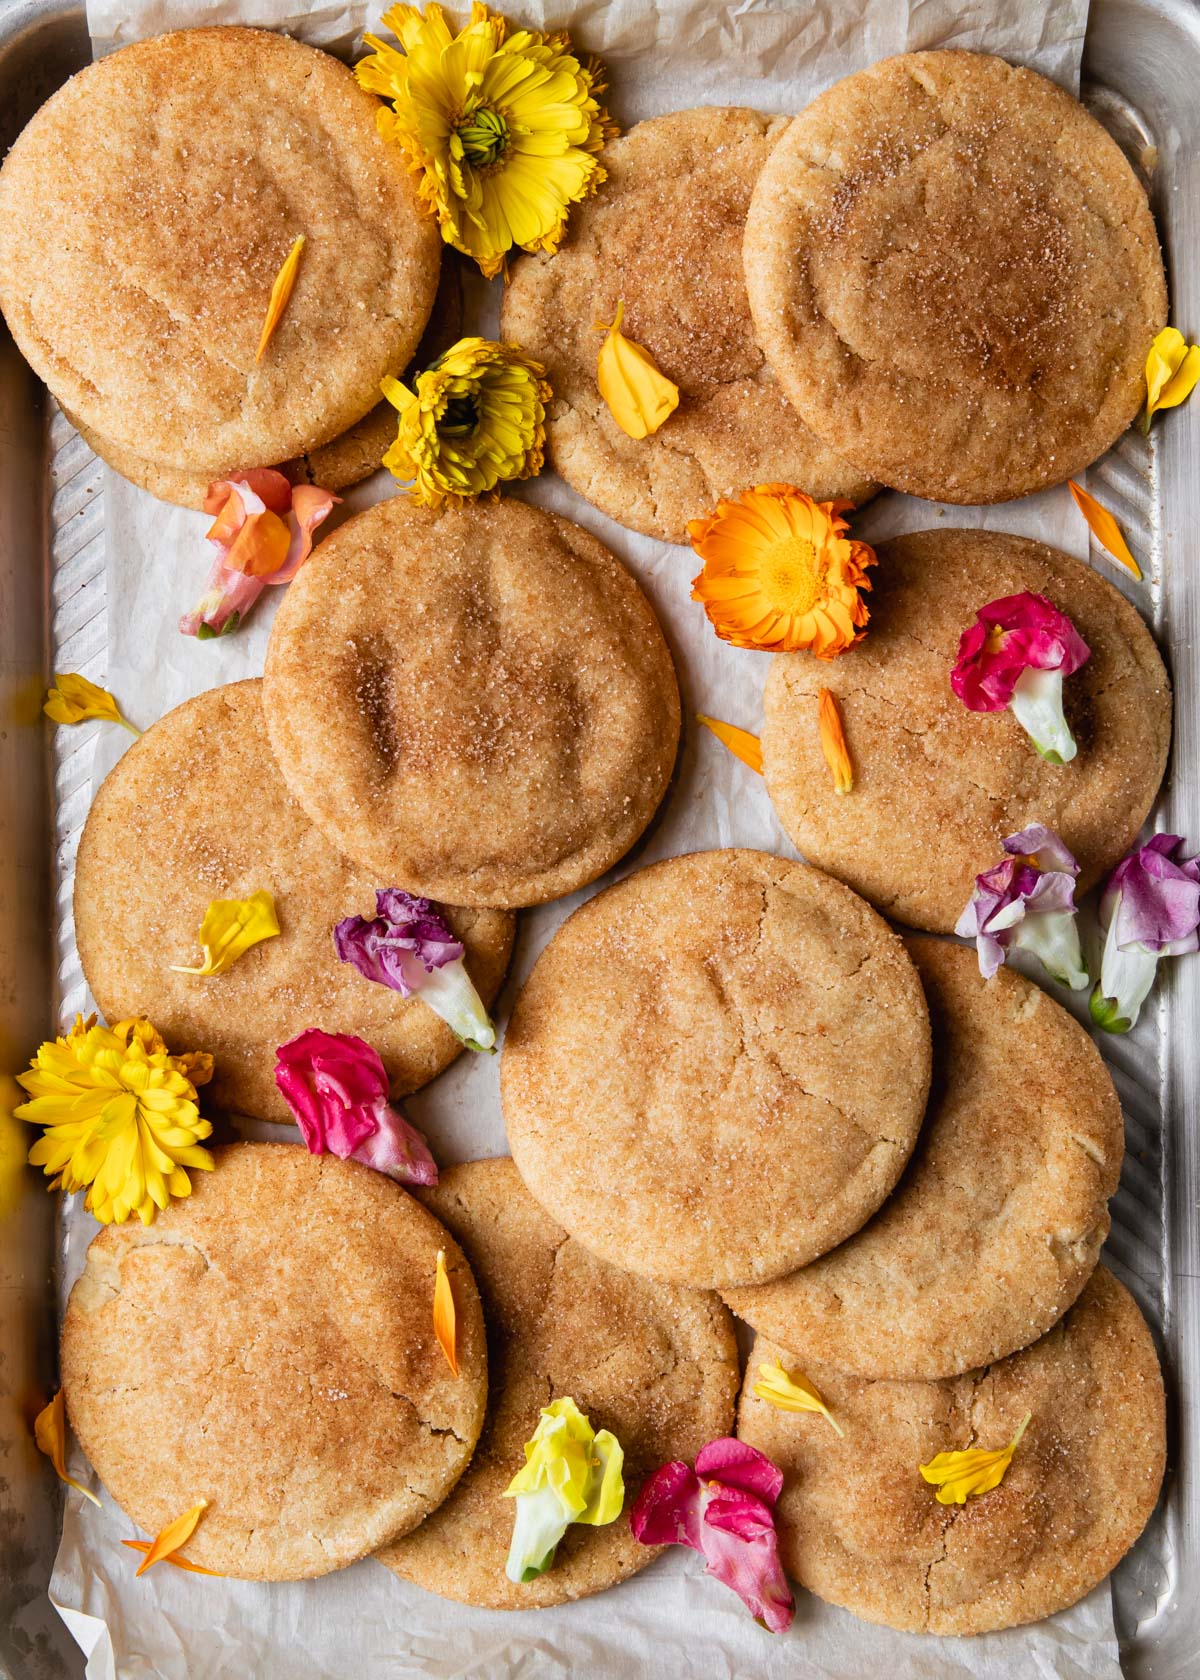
(443, 1313)
(174, 1560)
(740, 742)
(50, 1433)
(261, 545)
(281, 291)
(833, 742)
(174, 1535)
(1104, 528)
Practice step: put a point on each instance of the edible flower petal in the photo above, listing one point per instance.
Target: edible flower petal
(177, 1533)
(780, 574)
(262, 534)
(572, 1473)
(959, 1476)
(444, 1317)
(230, 927)
(1172, 371)
(502, 125)
(639, 397)
(1016, 654)
(791, 1393)
(474, 420)
(119, 1116)
(281, 292)
(833, 741)
(740, 742)
(1104, 528)
(409, 946)
(50, 1433)
(1150, 909)
(174, 1560)
(1027, 902)
(337, 1088)
(74, 699)
(724, 1509)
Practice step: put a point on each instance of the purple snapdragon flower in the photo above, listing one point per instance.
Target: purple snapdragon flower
(1150, 909)
(1027, 902)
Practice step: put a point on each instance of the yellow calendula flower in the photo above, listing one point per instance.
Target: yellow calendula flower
(74, 699)
(120, 1117)
(639, 397)
(572, 1474)
(477, 419)
(230, 927)
(959, 1476)
(791, 1393)
(1172, 373)
(502, 127)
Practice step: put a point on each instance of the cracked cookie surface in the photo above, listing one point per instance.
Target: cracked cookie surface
(478, 703)
(267, 1345)
(937, 787)
(654, 1363)
(664, 237)
(954, 272)
(859, 1526)
(197, 810)
(717, 1069)
(997, 1223)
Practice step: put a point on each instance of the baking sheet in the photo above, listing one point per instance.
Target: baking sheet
(663, 57)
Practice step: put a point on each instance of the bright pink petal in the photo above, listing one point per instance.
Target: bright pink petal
(1010, 636)
(667, 1510)
(741, 1549)
(337, 1088)
(735, 1464)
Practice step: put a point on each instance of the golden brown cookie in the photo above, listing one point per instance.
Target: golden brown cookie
(860, 1527)
(954, 272)
(197, 810)
(478, 703)
(655, 1364)
(997, 1222)
(937, 787)
(665, 239)
(267, 1345)
(717, 1069)
(145, 213)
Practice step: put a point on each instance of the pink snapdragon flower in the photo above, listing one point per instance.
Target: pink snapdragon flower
(337, 1088)
(1027, 902)
(1150, 909)
(262, 534)
(723, 1509)
(1016, 654)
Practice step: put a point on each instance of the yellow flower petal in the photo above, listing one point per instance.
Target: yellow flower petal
(791, 1393)
(175, 1560)
(959, 1476)
(740, 742)
(74, 699)
(230, 927)
(50, 1433)
(281, 292)
(1104, 528)
(444, 1317)
(1172, 372)
(833, 741)
(176, 1534)
(639, 397)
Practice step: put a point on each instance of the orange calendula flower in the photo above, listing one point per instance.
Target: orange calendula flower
(443, 1313)
(172, 1537)
(1104, 528)
(50, 1433)
(639, 397)
(959, 1476)
(281, 293)
(740, 742)
(833, 741)
(780, 574)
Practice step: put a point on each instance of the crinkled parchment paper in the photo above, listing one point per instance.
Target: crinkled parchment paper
(669, 1620)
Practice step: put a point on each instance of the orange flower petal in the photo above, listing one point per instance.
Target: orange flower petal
(260, 547)
(174, 1535)
(740, 742)
(174, 1560)
(50, 1433)
(281, 291)
(1104, 528)
(443, 1313)
(833, 741)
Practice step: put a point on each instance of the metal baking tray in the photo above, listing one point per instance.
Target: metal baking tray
(1141, 69)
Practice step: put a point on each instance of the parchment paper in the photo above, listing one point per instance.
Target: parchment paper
(669, 1620)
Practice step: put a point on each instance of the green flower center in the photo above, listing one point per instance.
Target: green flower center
(459, 417)
(484, 137)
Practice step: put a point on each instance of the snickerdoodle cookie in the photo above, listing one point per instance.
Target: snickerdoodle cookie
(195, 811)
(860, 1527)
(997, 1223)
(655, 1364)
(146, 211)
(717, 1069)
(267, 1345)
(936, 787)
(954, 272)
(476, 703)
(664, 238)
